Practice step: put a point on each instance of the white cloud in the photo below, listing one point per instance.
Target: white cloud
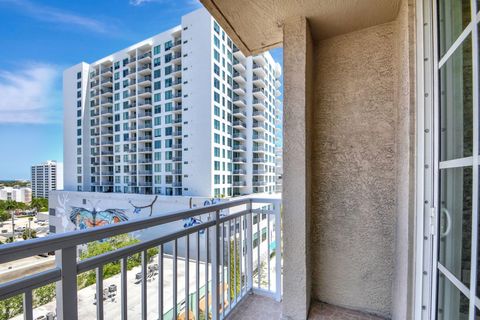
(139, 2)
(55, 15)
(29, 95)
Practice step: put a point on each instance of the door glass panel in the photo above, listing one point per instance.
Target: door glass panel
(456, 104)
(454, 16)
(455, 222)
(451, 304)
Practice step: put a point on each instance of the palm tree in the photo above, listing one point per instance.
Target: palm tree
(38, 204)
(11, 206)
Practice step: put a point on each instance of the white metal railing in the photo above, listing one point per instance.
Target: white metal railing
(234, 248)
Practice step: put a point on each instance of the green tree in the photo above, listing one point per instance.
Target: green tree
(39, 204)
(235, 277)
(29, 233)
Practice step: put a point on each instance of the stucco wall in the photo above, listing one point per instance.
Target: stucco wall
(354, 170)
(403, 283)
(297, 140)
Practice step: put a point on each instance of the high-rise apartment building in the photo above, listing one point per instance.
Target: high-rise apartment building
(181, 113)
(45, 177)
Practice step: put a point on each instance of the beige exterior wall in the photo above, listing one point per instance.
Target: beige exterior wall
(353, 220)
(363, 168)
(297, 141)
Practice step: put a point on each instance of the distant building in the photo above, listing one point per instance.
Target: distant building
(22, 194)
(180, 113)
(46, 176)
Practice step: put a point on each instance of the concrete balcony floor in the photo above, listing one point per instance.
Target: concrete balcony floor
(259, 307)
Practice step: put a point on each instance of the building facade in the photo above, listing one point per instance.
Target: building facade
(16, 194)
(46, 177)
(181, 113)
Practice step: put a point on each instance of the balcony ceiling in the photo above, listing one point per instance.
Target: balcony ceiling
(256, 25)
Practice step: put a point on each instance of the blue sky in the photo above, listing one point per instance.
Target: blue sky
(39, 39)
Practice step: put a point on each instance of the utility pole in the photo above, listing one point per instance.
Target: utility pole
(13, 225)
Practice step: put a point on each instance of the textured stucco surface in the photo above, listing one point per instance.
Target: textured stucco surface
(403, 284)
(354, 170)
(298, 77)
(256, 25)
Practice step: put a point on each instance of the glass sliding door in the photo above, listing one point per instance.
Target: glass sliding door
(456, 180)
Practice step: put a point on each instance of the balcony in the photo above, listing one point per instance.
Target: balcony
(238, 89)
(201, 283)
(239, 124)
(239, 113)
(238, 77)
(238, 65)
(260, 93)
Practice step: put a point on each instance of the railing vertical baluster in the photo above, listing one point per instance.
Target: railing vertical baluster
(221, 269)
(259, 244)
(268, 250)
(278, 251)
(123, 288)
(242, 219)
(99, 292)
(187, 276)
(215, 265)
(197, 278)
(67, 303)
(207, 249)
(160, 282)
(28, 305)
(234, 261)
(144, 285)
(175, 311)
(249, 242)
(229, 259)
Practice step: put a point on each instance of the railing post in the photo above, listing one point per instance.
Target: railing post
(215, 262)
(278, 250)
(248, 240)
(67, 308)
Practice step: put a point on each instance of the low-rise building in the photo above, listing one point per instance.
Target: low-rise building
(23, 194)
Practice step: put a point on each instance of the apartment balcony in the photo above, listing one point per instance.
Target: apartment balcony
(145, 150)
(258, 136)
(239, 136)
(107, 121)
(239, 183)
(239, 124)
(238, 89)
(145, 138)
(259, 149)
(177, 44)
(176, 70)
(145, 69)
(238, 65)
(259, 70)
(145, 115)
(260, 60)
(145, 81)
(238, 101)
(107, 81)
(177, 83)
(177, 159)
(258, 82)
(239, 160)
(259, 126)
(176, 57)
(239, 171)
(145, 93)
(239, 148)
(259, 172)
(145, 161)
(145, 57)
(238, 54)
(177, 184)
(177, 133)
(177, 121)
(177, 146)
(177, 171)
(146, 126)
(259, 183)
(239, 113)
(177, 96)
(108, 92)
(177, 107)
(131, 62)
(260, 93)
(259, 104)
(107, 132)
(147, 103)
(107, 152)
(238, 77)
(259, 160)
(107, 71)
(145, 172)
(260, 115)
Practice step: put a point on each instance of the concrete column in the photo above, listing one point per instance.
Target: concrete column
(298, 67)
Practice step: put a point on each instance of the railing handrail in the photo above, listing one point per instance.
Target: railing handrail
(18, 250)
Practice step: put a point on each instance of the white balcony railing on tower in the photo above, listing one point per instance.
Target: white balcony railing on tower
(207, 262)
